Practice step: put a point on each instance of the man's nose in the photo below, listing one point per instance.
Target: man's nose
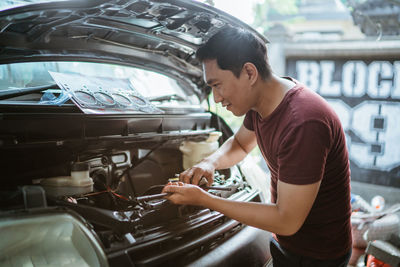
(217, 97)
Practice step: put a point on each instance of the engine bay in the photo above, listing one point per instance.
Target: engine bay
(117, 184)
(110, 204)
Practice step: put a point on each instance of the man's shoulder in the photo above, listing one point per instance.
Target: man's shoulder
(306, 105)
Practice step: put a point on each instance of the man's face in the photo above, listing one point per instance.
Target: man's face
(230, 91)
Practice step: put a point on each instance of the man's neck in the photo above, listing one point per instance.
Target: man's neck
(270, 94)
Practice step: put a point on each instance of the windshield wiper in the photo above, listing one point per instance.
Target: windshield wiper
(166, 98)
(5, 94)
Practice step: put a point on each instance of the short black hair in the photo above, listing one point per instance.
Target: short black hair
(233, 47)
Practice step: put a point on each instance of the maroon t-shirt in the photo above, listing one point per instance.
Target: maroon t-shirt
(303, 142)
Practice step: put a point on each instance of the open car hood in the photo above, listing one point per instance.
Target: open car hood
(158, 35)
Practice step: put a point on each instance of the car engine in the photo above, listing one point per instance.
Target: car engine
(105, 189)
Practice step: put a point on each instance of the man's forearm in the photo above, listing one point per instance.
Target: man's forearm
(227, 155)
(260, 215)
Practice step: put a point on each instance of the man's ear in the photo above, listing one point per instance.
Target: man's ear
(251, 72)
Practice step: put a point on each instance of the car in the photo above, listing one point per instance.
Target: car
(102, 103)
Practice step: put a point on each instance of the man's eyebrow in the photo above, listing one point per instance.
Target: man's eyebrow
(210, 81)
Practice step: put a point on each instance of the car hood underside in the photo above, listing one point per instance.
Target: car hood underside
(158, 35)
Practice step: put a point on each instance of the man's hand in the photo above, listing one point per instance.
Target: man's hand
(194, 174)
(185, 194)
(230, 153)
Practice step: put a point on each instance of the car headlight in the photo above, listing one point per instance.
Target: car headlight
(48, 240)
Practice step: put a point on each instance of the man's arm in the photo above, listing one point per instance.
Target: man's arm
(230, 153)
(285, 217)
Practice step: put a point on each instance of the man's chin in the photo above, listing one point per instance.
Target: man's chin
(237, 113)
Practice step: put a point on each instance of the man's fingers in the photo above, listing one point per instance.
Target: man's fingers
(210, 180)
(186, 176)
(176, 193)
(172, 187)
(169, 189)
(196, 178)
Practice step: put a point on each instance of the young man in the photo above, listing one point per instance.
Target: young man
(303, 143)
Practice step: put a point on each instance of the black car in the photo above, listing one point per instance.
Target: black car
(97, 99)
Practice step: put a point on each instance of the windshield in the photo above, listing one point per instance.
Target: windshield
(149, 84)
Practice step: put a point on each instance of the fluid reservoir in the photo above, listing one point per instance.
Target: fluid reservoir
(78, 183)
(194, 152)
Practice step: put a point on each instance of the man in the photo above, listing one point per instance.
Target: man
(303, 143)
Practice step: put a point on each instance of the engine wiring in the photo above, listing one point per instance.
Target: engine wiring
(108, 190)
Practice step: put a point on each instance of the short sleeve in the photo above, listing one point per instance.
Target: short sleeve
(303, 153)
(248, 121)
